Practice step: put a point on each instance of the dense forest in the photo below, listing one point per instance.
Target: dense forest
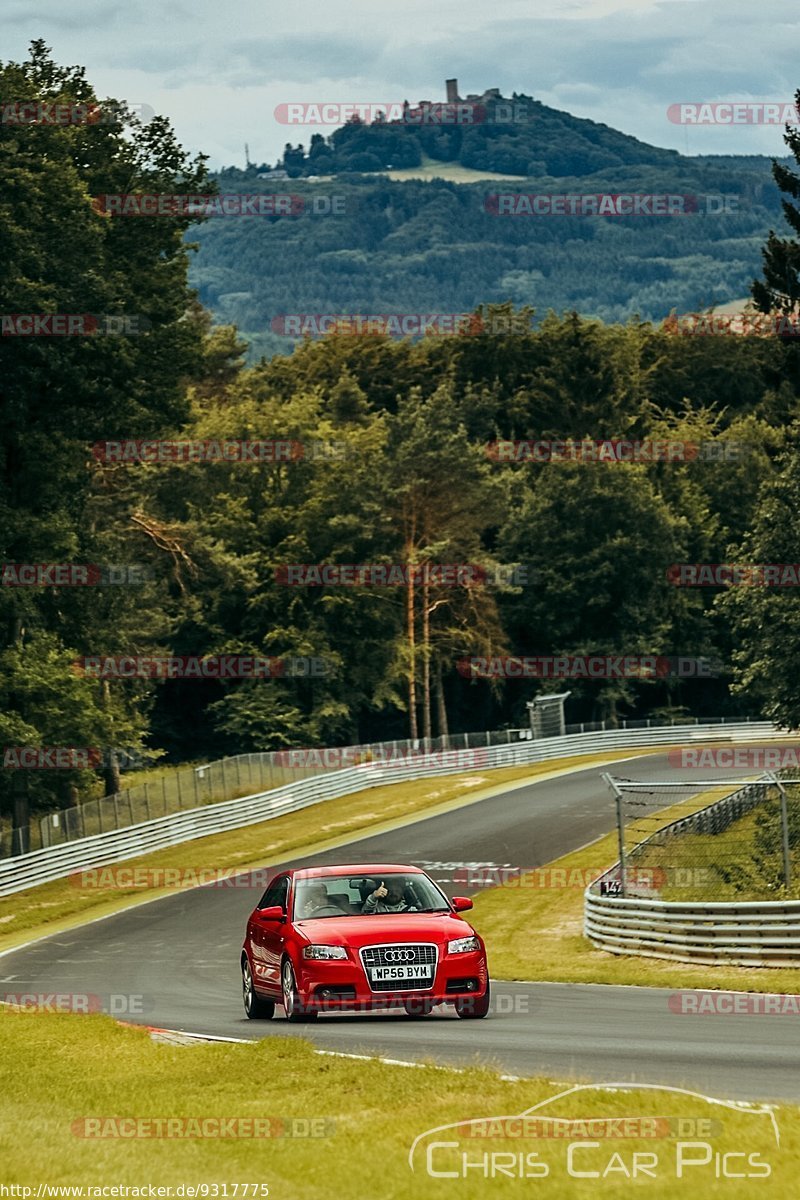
(393, 462)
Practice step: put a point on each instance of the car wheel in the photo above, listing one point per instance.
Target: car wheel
(256, 1007)
(418, 1008)
(291, 1000)
(474, 1006)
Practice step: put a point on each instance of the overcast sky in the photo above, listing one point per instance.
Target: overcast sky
(218, 71)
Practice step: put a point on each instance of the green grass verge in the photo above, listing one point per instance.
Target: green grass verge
(54, 906)
(57, 1070)
(533, 926)
(733, 865)
(431, 168)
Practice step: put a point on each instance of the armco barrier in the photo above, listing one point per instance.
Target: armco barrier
(759, 933)
(57, 862)
(746, 934)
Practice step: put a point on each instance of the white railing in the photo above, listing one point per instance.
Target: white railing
(57, 862)
(731, 933)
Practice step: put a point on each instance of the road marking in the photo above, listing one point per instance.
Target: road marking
(392, 1062)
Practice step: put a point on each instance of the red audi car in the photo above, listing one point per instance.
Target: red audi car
(357, 938)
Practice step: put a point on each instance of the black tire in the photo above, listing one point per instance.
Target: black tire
(256, 1008)
(474, 1007)
(291, 1001)
(418, 1007)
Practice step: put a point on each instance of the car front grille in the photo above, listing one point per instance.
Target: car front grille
(401, 954)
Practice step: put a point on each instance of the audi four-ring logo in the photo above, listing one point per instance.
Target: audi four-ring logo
(398, 956)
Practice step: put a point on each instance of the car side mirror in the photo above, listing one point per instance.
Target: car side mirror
(461, 903)
(273, 913)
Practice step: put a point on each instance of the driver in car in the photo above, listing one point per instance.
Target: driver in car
(388, 899)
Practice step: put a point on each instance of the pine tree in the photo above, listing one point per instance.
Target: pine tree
(779, 291)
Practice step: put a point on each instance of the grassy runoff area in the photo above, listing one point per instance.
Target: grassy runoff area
(63, 1077)
(730, 865)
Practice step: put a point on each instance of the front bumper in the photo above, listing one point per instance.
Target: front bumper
(342, 985)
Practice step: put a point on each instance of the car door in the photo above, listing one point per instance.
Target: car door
(268, 938)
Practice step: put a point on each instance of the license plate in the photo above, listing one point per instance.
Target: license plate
(409, 971)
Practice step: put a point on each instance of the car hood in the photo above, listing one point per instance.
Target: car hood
(384, 927)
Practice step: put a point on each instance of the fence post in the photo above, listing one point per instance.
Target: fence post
(620, 829)
(787, 862)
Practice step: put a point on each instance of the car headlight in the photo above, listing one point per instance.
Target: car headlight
(461, 945)
(324, 952)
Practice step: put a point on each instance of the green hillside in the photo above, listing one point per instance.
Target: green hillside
(421, 246)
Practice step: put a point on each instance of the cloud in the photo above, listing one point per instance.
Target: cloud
(219, 73)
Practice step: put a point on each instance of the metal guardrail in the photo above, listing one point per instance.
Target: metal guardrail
(227, 778)
(721, 933)
(57, 862)
(755, 933)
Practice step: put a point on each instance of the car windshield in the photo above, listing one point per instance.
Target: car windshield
(359, 895)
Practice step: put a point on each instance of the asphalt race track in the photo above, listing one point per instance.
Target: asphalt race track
(181, 956)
